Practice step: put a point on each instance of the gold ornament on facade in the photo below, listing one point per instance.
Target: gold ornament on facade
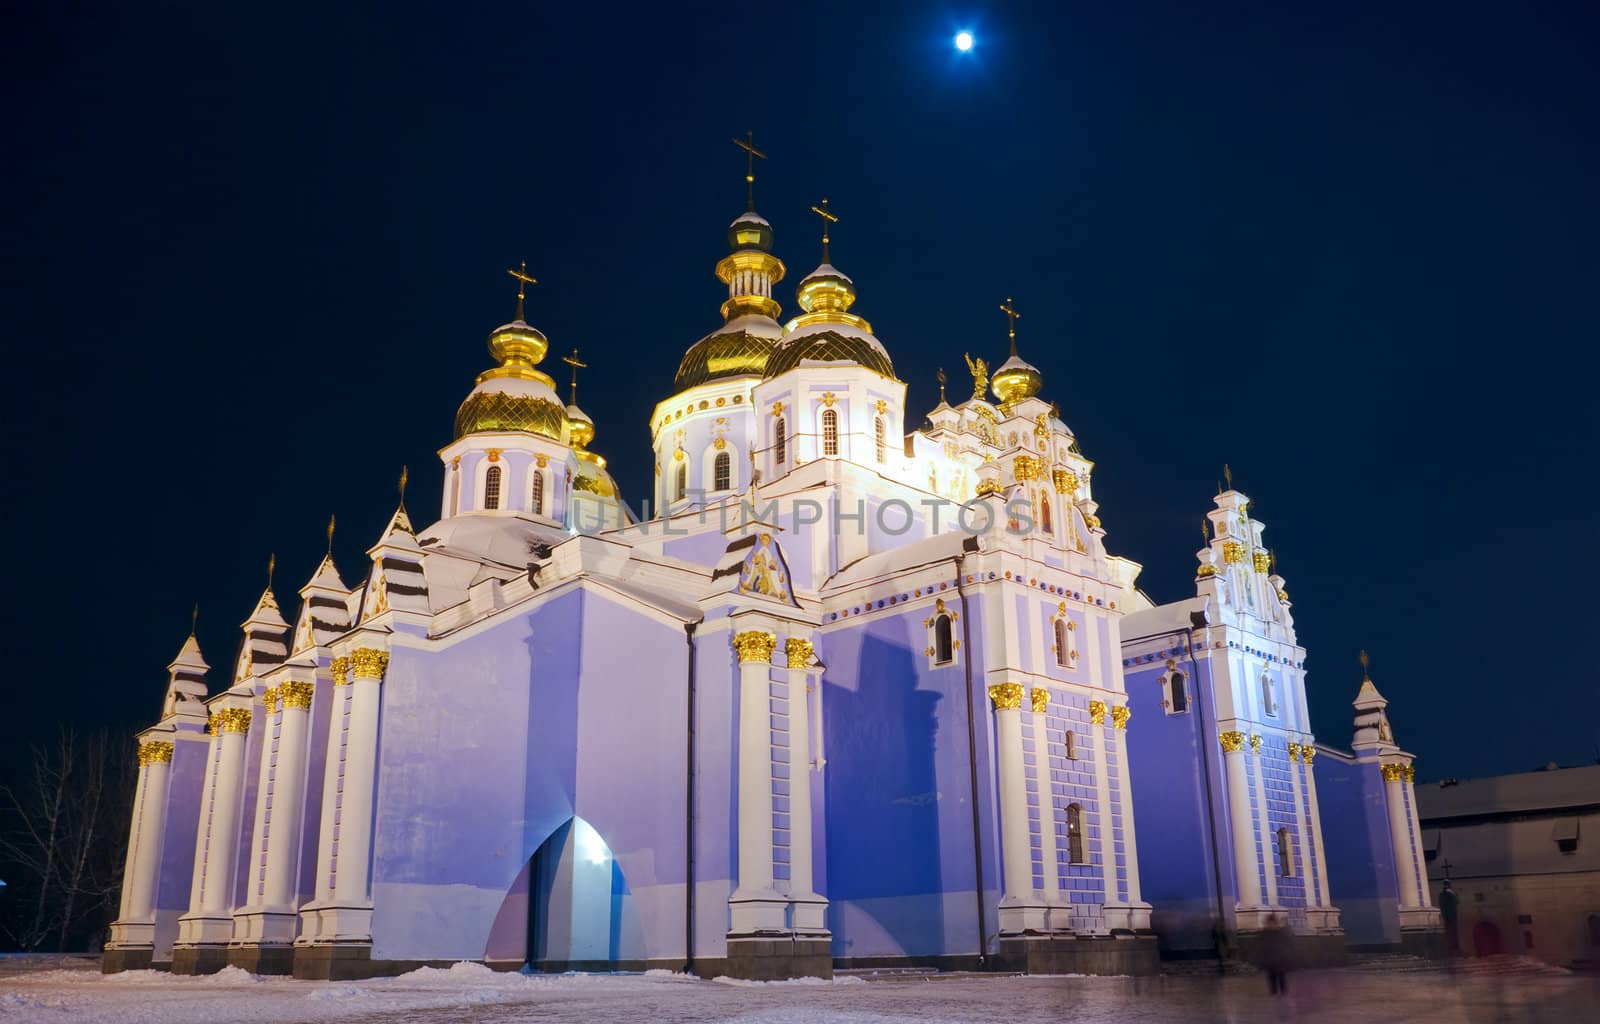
(987, 487)
(1307, 752)
(1294, 751)
(1411, 773)
(369, 663)
(1041, 699)
(1091, 521)
(1097, 712)
(980, 376)
(799, 652)
(1394, 772)
(1120, 715)
(1066, 481)
(296, 695)
(234, 719)
(1263, 561)
(883, 407)
(1255, 743)
(1006, 696)
(155, 752)
(1232, 741)
(214, 723)
(1205, 570)
(755, 645)
(341, 671)
(269, 699)
(1232, 552)
(1026, 467)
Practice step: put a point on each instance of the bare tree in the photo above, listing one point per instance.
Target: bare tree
(63, 836)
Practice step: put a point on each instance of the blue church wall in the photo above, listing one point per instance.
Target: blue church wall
(901, 880)
(185, 784)
(1165, 753)
(716, 841)
(1058, 781)
(1275, 768)
(1361, 873)
(501, 747)
(257, 744)
(316, 766)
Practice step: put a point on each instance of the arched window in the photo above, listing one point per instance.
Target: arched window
(1070, 741)
(491, 488)
(1177, 694)
(1044, 512)
(1285, 854)
(1269, 701)
(722, 472)
(830, 432)
(780, 444)
(878, 439)
(1075, 834)
(536, 504)
(681, 481)
(455, 491)
(1063, 649)
(943, 642)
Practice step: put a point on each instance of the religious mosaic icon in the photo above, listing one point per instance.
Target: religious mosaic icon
(763, 572)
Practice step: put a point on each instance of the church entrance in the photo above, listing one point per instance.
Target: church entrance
(576, 902)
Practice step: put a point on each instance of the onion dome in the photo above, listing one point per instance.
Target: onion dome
(1015, 380)
(827, 332)
(741, 346)
(580, 428)
(514, 396)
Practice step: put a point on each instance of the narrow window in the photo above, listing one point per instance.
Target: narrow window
(1063, 653)
(830, 432)
(537, 502)
(722, 472)
(1070, 741)
(491, 488)
(1044, 512)
(878, 438)
(1178, 702)
(1269, 702)
(1074, 834)
(943, 643)
(681, 480)
(780, 446)
(455, 491)
(1285, 854)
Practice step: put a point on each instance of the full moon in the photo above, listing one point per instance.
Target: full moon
(963, 41)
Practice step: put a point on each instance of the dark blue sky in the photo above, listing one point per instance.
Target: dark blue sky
(250, 255)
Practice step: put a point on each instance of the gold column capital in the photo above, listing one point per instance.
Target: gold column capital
(214, 723)
(369, 663)
(1232, 741)
(1394, 772)
(155, 752)
(1255, 743)
(269, 699)
(233, 719)
(296, 695)
(1120, 715)
(799, 652)
(755, 645)
(1294, 751)
(1041, 699)
(1097, 712)
(1006, 696)
(1411, 773)
(1307, 752)
(341, 671)
(1066, 481)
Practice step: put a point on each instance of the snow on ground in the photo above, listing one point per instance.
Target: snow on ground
(470, 992)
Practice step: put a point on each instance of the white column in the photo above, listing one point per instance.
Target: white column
(1130, 842)
(1394, 778)
(1424, 895)
(258, 837)
(1019, 908)
(1308, 751)
(222, 847)
(139, 886)
(810, 911)
(1301, 827)
(1057, 916)
(755, 905)
(1242, 828)
(1269, 841)
(288, 797)
(130, 861)
(353, 860)
(333, 766)
(208, 791)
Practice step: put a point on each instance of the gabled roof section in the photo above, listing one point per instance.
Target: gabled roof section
(396, 581)
(265, 638)
(324, 608)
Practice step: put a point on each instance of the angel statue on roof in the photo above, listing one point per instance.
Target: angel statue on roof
(980, 375)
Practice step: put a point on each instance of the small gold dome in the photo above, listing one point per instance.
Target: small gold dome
(826, 290)
(1015, 380)
(517, 345)
(830, 346)
(730, 352)
(505, 411)
(580, 428)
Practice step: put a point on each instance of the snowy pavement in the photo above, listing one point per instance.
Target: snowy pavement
(468, 992)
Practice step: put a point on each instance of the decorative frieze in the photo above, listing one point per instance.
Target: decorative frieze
(296, 695)
(1006, 696)
(755, 645)
(155, 752)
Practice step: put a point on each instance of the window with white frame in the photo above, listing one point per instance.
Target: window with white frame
(722, 472)
(830, 432)
(879, 440)
(491, 488)
(1285, 854)
(536, 493)
(1269, 699)
(1075, 834)
(680, 481)
(1177, 695)
(780, 442)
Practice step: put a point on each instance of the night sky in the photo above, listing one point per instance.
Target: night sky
(250, 257)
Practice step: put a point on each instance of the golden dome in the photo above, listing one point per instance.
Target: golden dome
(737, 350)
(1015, 380)
(830, 345)
(503, 411)
(580, 428)
(518, 347)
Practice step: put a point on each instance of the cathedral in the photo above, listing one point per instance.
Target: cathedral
(866, 688)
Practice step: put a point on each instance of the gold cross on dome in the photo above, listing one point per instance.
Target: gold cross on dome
(1012, 316)
(523, 280)
(828, 217)
(576, 365)
(751, 155)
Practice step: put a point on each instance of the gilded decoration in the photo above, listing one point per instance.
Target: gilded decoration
(341, 671)
(369, 663)
(1232, 741)
(233, 719)
(1394, 772)
(1120, 715)
(725, 354)
(828, 398)
(763, 573)
(777, 408)
(269, 699)
(1097, 712)
(799, 652)
(214, 723)
(1294, 751)
(987, 487)
(1066, 481)
(1307, 752)
(883, 407)
(1206, 570)
(1026, 467)
(980, 376)
(155, 752)
(754, 645)
(1091, 521)
(1232, 552)
(296, 695)
(1255, 743)
(1263, 561)
(1411, 773)
(1041, 699)
(1006, 696)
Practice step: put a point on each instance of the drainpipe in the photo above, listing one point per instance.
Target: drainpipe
(688, 789)
(970, 544)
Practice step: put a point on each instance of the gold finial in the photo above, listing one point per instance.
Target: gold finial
(751, 155)
(1012, 316)
(1205, 532)
(330, 536)
(272, 565)
(1227, 474)
(1366, 676)
(194, 619)
(941, 385)
(573, 362)
(827, 218)
(523, 280)
(405, 474)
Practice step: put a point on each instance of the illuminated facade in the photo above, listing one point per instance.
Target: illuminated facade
(814, 714)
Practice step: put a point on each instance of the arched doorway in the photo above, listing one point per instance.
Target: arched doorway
(1485, 939)
(580, 914)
